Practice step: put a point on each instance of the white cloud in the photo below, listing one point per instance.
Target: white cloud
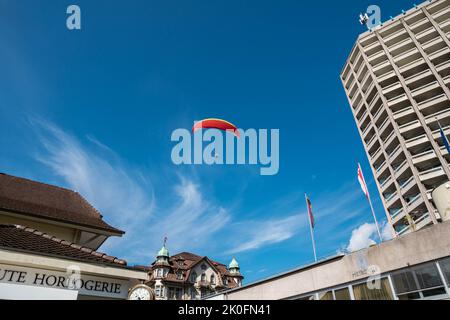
(126, 197)
(363, 236)
(257, 234)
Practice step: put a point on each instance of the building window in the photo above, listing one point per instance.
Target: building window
(342, 294)
(326, 295)
(203, 279)
(445, 267)
(159, 272)
(213, 279)
(194, 276)
(180, 275)
(158, 291)
(363, 292)
(193, 294)
(418, 282)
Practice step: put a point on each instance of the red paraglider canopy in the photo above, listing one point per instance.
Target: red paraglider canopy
(216, 124)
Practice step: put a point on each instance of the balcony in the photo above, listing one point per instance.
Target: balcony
(431, 174)
(381, 167)
(418, 76)
(396, 100)
(414, 202)
(425, 88)
(386, 76)
(403, 112)
(371, 142)
(392, 87)
(407, 185)
(391, 199)
(395, 153)
(384, 125)
(442, 14)
(399, 169)
(432, 101)
(398, 216)
(386, 182)
(423, 221)
(424, 156)
(410, 126)
(439, 54)
(366, 129)
(395, 213)
(440, 115)
(403, 231)
(375, 154)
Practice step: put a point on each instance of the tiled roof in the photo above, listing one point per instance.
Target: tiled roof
(45, 201)
(185, 261)
(33, 241)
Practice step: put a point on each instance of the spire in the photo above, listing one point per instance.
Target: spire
(163, 252)
(234, 266)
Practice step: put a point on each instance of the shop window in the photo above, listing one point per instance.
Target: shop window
(342, 294)
(445, 267)
(326, 295)
(364, 292)
(418, 282)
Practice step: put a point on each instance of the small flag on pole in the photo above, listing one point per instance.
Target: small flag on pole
(310, 213)
(444, 138)
(311, 224)
(364, 188)
(362, 182)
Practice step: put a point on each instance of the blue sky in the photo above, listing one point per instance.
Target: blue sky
(93, 110)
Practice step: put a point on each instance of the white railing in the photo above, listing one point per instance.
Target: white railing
(417, 156)
(385, 181)
(397, 98)
(404, 184)
(400, 166)
(396, 113)
(423, 217)
(413, 200)
(394, 151)
(428, 85)
(431, 99)
(375, 153)
(390, 197)
(380, 166)
(396, 214)
(404, 230)
(389, 137)
(409, 124)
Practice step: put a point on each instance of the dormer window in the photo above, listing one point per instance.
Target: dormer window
(159, 272)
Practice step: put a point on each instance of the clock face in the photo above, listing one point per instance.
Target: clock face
(140, 293)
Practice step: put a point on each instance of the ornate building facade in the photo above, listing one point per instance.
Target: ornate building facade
(187, 276)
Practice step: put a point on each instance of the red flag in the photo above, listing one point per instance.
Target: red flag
(310, 213)
(362, 182)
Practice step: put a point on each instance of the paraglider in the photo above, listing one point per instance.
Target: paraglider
(213, 123)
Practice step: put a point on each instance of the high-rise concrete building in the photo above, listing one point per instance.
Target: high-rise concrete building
(397, 80)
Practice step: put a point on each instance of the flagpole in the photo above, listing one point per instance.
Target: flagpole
(311, 229)
(371, 207)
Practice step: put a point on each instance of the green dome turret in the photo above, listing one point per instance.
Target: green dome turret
(233, 264)
(163, 252)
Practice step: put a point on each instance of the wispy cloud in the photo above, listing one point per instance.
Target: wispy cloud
(256, 234)
(127, 198)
